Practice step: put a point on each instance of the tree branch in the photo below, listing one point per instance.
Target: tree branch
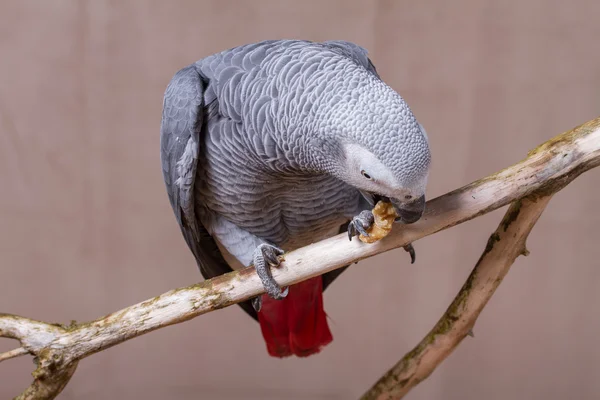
(545, 171)
(503, 247)
(13, 354)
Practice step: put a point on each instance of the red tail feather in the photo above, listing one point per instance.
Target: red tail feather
(296, 325)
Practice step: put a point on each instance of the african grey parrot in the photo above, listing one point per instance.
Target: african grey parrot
(270, 146)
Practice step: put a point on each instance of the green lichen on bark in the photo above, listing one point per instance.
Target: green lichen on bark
(494, 237)
(444, 325)
(214, 298)
(511, 215)
(566, 138)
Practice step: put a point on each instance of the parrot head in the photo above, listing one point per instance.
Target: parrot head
(366, 135)
(390, 162)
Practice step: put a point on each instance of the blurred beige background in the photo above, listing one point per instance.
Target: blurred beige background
(86, 227)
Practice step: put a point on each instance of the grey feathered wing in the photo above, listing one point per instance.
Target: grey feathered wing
(181, 127)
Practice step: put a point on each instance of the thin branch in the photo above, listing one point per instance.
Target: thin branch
(546, 170)
(503, 247)
(13, 354)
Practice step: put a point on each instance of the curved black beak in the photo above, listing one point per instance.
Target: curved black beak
(410, 212)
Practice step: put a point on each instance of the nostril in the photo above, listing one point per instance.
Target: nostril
(407, 197)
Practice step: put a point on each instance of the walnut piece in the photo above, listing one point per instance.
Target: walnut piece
(384, 214)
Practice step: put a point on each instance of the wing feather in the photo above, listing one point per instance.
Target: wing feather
(181, 127)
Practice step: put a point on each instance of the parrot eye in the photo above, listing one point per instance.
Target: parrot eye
(366, 175)
(408, 197)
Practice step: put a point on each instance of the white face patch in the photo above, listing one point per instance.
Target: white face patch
(365, 172)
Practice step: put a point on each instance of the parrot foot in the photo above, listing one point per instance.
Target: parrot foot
(360, 224)
(266, 256)
(364, 221)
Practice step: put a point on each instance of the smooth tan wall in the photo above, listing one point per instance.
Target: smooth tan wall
(86, 227)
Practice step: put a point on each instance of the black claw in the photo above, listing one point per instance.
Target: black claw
(257, 303)
(352, 231)
(411, 250)
(271, 258)
(470, 333)
(271, 255)
(362, 230)
(360, 224)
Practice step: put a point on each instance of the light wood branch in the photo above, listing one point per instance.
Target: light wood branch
(503, 247)
(545, 171)
(13, 354)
